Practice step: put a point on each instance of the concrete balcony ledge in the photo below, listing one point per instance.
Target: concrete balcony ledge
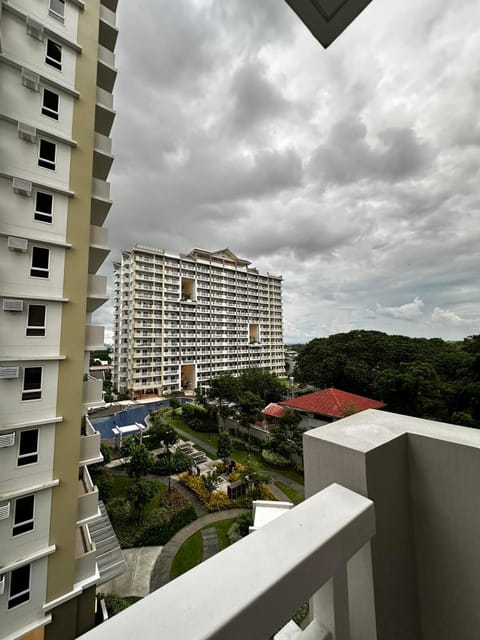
(98, 249)
(322, 541)
(96, 291)
(94, 338)
(87, 504)
(85, 556)
(106, 71)
(89, 442)
(102, 156)
(108, 32)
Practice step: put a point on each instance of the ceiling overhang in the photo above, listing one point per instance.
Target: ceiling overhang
(326, 19)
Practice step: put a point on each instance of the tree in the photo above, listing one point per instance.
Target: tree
(140, 461)
(262, 383)
(224, 446)
(254, 475)
(249, 404)
(175, 403)
(285, 436)
(210, 481)
(139, 493)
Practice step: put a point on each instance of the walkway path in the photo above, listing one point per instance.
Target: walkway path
(135, 580)
(161, 571)
(210, 542)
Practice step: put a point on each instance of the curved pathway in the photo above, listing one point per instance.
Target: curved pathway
(161, 571)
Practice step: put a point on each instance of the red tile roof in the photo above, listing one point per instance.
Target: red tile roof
(332, 403)
(274, 410)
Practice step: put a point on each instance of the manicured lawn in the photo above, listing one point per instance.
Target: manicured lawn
(122, 483)
(188, 556)
(293, 495)
(191, 551)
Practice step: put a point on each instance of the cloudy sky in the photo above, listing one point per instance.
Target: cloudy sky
(352, 171)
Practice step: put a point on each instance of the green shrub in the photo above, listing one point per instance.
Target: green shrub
(275, 459)
(176, 463)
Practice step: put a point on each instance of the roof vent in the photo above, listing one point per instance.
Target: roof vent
(17, 244)
(34, 28)
(26, 132)
(22, 187)
(30, 80)
(9, 304)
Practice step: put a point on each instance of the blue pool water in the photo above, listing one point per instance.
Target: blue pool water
(136, 413)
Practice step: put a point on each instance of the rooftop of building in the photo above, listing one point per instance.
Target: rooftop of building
(332, 402)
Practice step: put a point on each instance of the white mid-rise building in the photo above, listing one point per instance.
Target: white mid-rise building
(180, 320)
(56, 78)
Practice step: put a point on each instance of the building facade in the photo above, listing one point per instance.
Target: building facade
(181, 320)
(56, 78)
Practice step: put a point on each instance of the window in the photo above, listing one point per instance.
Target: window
(28, 447)
(53, 55)
(46, 154)
(57, 9)
(19, 586)
(43, 207)
(23, 515)
(50, 104)
(32, 383)
(40, 262)
(36, 319)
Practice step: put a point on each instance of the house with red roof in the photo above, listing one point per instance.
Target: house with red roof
(322, 407)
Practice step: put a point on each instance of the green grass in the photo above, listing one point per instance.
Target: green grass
(188, 556)
(237, 454)
(293, 495)
(122, 483)
(191, 552)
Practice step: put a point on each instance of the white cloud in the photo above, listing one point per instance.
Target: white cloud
(446, 317)
(408, 311)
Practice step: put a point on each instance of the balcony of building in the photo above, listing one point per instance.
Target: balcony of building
(96, 292)
(108, 32)
(89, 442)
(94, 338)
(85, 556)
(87, 502)
(102, 156)
(384, 547)
(101, 201)
(106, 71)
(98, 249)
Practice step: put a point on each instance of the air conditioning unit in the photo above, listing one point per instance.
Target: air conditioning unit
(7, 439)
(26, 132)
(30, 80)
(4, 511)
(17, 244)
(34, 28)
(22, 187)
(2, 585)
(9, 304)
(9, 373)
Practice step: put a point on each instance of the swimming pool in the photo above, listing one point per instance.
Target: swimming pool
(136, 413)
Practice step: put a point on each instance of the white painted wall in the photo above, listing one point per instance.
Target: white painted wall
(26, 613)
(38, 9)
(15, 477)
(31, 541)
(15, 270)
(17, 213)
(20, 158)
(25, 105)
(29, 51)
(13, 410)
(13, 338)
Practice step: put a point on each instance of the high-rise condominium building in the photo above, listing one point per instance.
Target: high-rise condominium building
(180, 320)
(56, 78)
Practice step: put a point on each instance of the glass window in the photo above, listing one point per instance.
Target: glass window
(19, 586)
(50, 104)
(23, 515)
(36, 319)
(43, 207)
(40, 262)
(57, 9)
(28, 447)
(47, 152)
(32, 383)
(53, 55)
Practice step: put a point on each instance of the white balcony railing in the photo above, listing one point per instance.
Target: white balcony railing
(316, 548)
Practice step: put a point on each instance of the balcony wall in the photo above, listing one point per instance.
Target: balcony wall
(94, 338)
(104, 112)
(90, 446)
(96, 292)
(106, 71)
(98, 250)
(107, 35)
(87, 505)
(85, 556)
(102, 156)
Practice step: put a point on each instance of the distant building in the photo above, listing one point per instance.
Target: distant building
(180, 320)
(322, 407)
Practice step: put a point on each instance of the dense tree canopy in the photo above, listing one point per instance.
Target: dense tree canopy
(429, 378)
